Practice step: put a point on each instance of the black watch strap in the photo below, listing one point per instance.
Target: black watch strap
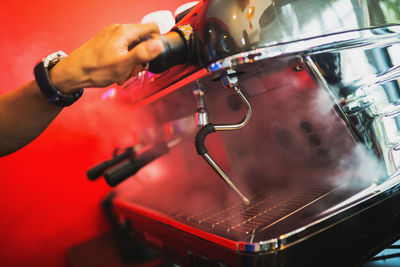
(49, 90)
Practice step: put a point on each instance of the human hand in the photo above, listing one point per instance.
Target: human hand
(106, 58)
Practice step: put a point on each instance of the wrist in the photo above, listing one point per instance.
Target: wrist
(67, 78)
(58, 89)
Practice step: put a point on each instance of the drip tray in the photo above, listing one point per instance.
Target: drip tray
(282, 228)
(271, 213)
(233, 220)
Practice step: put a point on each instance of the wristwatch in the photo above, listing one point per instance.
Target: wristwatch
(54, 96)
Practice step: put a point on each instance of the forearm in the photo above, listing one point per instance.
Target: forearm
(24, 114)
(103, 60)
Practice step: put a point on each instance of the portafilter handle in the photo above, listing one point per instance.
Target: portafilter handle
(119, 173)
(175, 51)
(97, 171)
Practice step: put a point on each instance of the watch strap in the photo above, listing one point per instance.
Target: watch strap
(49, 90)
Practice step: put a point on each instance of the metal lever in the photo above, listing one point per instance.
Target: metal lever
(229, 80)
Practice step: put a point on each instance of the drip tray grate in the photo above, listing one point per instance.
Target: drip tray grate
(232, 219)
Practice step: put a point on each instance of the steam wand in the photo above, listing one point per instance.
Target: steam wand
(230, 81)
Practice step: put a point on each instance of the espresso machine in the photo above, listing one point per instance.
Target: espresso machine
(273, 137)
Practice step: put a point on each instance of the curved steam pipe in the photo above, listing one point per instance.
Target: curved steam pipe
(246, 119)
(211, 128)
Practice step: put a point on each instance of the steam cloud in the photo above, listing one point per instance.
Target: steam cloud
(295, 141)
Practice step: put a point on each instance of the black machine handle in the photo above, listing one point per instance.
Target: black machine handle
(175, 51)
(130, 166)
(98, 170)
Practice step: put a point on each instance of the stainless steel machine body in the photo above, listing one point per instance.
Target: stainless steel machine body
(319, 161)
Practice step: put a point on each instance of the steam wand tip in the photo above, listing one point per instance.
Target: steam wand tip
(246, 201)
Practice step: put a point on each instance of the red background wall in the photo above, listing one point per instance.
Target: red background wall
(46, 203)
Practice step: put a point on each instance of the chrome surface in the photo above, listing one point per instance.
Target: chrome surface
(202, 117)
(201, 114)
(372, 194)
(226, 33)
(246, 119)
(251, 24)
(350, 48)
(359, 71)
(229, 79)
(365, 83)
(367, 37)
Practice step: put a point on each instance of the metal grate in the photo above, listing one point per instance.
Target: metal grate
(232, 218)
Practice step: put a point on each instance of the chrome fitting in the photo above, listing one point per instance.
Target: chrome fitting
(229, 79)
(201, 114)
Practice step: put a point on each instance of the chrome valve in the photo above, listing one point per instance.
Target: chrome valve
(201, 114)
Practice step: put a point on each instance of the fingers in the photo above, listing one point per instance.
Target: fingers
(134, 72)
(146, 51)
(134, 32)
(111, 60)
(141, 54)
